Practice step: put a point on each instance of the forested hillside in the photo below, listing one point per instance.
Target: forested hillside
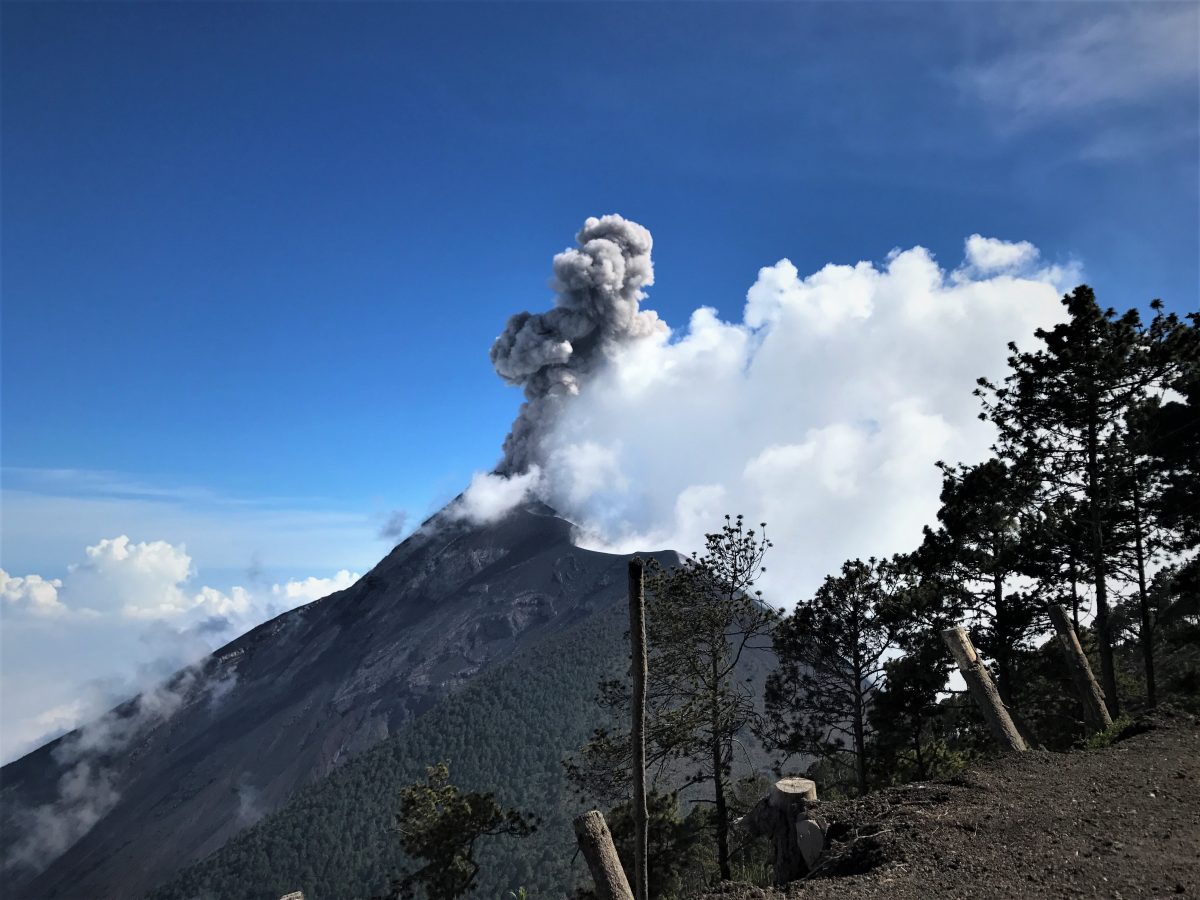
(508, 733)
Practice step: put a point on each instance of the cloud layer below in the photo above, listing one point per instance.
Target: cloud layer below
(124, 617)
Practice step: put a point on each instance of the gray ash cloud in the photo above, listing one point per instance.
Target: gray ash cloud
(598, 287)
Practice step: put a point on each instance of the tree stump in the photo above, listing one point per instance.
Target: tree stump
(785, 815)
(591, 831)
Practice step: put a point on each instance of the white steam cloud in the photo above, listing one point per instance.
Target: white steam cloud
(490, 495)
(821, 412)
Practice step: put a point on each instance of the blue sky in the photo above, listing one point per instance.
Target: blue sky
(254, 255)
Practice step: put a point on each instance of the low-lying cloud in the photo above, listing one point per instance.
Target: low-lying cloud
(88, 787)
(125, 587)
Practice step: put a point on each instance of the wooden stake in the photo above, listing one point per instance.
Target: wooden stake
(637, 640)
(1095, 712)
(983, 689)
(591, 831)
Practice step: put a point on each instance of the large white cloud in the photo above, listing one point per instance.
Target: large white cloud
(136, 595)
(298, 592)
(822, 412)
(151, 580)
(32, 594)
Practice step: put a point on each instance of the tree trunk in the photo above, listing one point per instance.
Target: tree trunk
(1074, 592)
(918, 755)
(860, 741)
(1099, 570)
(722, 811)
(637, 638)
(860, 712)
(1095, 713)
(983, 689)
(1000, 629)
(591, 831)
(1147, 633)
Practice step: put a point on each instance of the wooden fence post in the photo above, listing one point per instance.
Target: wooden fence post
(637, 640)
(591, 831)
(983, 689)
(1095, 711)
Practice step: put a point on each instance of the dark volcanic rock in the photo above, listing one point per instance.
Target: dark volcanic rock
(289, 701)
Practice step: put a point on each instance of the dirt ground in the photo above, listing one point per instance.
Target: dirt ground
(1120, 822)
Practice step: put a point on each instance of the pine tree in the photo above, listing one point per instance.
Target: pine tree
(975, 556)
(1063, 405)
(905, 713)
(440, 824)
(831, 652)
(1162, 476)
(701, 618)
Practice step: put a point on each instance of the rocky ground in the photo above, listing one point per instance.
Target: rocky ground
(1120, 822)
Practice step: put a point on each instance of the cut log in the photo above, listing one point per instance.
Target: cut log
(591, 831)
(785, 816)
(983, 690)
(1095, 711)
(787, 791)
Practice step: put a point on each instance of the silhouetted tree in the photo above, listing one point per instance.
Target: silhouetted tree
(1062, 405)
(905, 713)
(440, 824)
(831, 652)
(701, 617)
(976, 554)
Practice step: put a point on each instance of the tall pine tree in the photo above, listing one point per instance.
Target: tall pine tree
(832, 650)
(702, 616)
(1065, 405)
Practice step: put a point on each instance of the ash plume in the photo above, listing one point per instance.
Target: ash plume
(598, 287)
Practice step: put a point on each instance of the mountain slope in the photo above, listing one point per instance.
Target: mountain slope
(507, 733)
(176, 774)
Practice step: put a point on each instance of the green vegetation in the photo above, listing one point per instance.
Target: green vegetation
(831, 653)
(505, 732)
(702, 620)
(440, 824)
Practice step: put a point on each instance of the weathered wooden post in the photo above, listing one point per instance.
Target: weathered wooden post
(637, 640)
(785, 815)
(591, 831)
(1095, 711)
(983, 689)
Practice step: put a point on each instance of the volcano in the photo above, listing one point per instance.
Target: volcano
(342, 698)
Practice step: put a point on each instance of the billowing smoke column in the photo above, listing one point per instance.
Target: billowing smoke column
(598, 287)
